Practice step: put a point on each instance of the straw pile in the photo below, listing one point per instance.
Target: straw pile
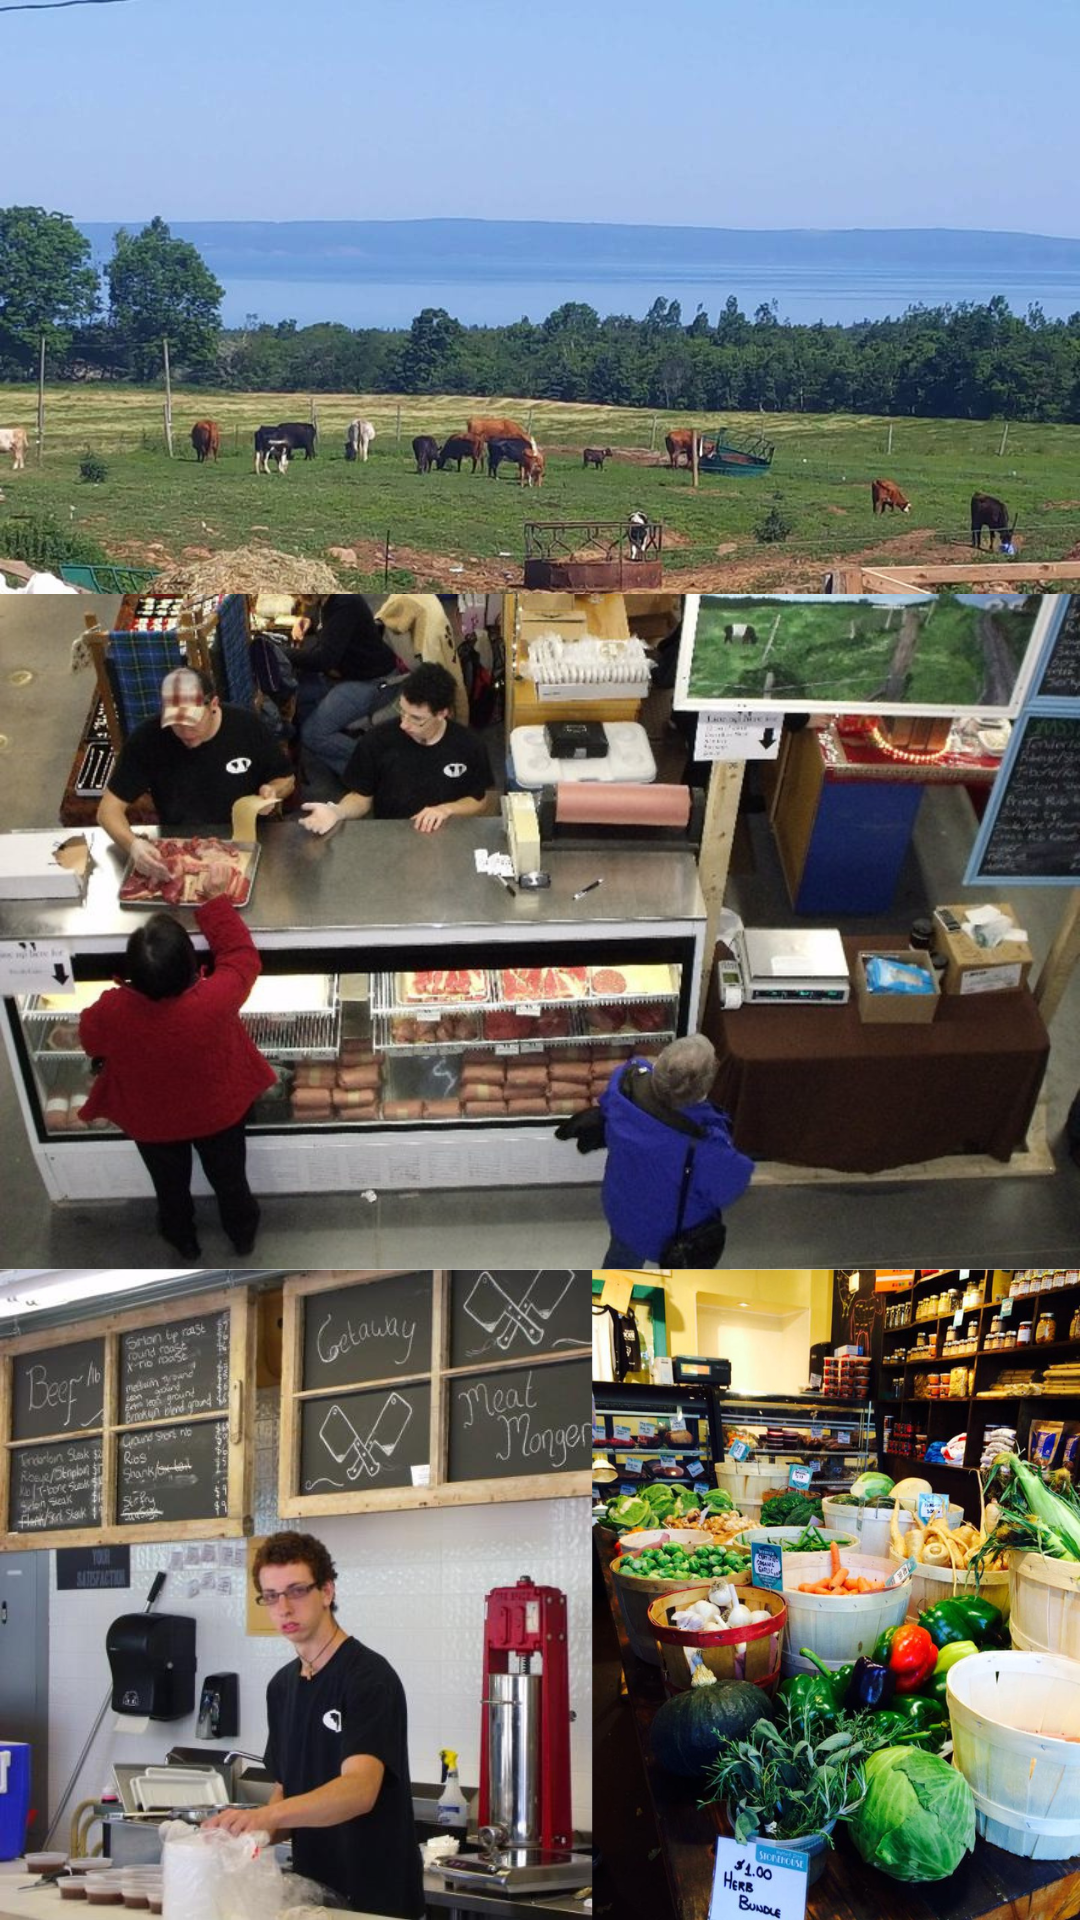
(247, 570)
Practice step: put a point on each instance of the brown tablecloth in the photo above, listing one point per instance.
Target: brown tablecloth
(816, 1087)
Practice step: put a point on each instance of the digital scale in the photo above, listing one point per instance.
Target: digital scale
(792, 964)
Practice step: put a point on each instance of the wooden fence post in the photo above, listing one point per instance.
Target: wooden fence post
(168, 400)
(652, 436)
(397, 436)
(889, 447)
(695, 445)
(1004, 437)
(41, 403)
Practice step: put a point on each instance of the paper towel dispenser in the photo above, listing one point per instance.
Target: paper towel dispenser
(152, 1659)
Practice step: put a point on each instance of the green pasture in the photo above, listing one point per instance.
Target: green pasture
(820, 481)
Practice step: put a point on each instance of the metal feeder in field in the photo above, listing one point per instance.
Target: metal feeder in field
(580, 556)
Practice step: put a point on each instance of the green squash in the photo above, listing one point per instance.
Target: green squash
(689, 1729)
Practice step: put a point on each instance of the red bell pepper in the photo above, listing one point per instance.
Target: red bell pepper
(912, 1657)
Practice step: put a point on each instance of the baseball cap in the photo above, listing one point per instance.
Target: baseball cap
(183, 701)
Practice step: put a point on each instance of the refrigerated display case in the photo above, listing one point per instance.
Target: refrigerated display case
(425, 1026)
(652, 1433)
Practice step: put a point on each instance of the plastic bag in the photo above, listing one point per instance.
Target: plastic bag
(210, 1874)
(895, 976)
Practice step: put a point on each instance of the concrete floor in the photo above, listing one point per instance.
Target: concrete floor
(1004, 1220)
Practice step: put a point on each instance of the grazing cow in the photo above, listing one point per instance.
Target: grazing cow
(637, 532)
(13, 440)
(886, 493)
(459, 447)
(532, 469)
(295, 435)
(358, 439)
(679, 443)
(738, 630)
(427, 452)
(206, 439)
(595, 456)
(499, 430)
(994, 516)
(515, 450)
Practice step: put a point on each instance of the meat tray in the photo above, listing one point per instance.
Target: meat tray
(151, 900)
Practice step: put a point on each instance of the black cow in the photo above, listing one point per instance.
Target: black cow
(595, 456)
(292, 435)
(459, 447)
(427, 452)
(499, 450)
(994, 516)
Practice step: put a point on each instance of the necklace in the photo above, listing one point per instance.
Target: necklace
(307, 1667)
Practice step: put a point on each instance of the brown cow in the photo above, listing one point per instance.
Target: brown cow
(459, 447)
(531, 471)
(498, 429)
(886, 493)
(680, 444)
(206, 439)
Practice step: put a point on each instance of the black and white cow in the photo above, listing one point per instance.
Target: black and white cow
(738, 630)
(291, 436)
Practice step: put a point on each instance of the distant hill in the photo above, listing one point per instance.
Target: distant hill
(341, 249)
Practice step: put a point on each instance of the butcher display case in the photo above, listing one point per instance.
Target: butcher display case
(423, 1023)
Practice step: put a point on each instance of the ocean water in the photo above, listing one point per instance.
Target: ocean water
(493, 298)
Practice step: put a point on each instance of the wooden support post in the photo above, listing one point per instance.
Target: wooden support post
(397, 430)
(695, 447)
(1004, 437)
(168, 400)
(314, 414)
(41, 403)
(721, 808)
(1056, 970)
(528, 423)
(889, 447)
(652, 435)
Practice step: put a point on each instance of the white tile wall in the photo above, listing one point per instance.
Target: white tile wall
(411, 1585)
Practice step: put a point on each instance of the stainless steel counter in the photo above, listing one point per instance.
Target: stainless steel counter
(391, 885)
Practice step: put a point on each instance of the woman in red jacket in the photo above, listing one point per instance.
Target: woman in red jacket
(178, 1069)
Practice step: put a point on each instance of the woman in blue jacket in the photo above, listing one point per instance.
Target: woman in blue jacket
(657, 1117)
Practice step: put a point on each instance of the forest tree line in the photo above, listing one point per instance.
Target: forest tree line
(966, 360)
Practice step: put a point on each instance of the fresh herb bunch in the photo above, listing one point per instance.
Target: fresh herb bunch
(792, 1509)
(789, 1778)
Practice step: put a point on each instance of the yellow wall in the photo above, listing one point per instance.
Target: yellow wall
(777, 1291)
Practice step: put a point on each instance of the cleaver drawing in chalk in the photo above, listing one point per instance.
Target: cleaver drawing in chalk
(341, 1439)
(494, 1310)
(356, 1455)
(539, 1301)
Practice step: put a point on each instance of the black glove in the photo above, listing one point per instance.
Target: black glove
(587, 1128)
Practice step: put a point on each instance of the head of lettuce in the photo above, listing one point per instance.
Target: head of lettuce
(918, 1818)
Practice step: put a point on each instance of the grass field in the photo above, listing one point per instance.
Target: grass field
(460, 529)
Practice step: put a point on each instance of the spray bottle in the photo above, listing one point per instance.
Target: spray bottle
(451, 1808)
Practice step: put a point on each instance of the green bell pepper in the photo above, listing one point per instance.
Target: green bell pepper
(918, 1712)
(824, 1689)
(883, 1646)
(965, 1618)
(948, 1657)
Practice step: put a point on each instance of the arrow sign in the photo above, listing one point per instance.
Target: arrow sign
(768, 737)
(35, 966)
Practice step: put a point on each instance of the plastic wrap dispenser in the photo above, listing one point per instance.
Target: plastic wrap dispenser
(152, 1659)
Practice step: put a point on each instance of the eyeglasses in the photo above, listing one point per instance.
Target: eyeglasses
(290, 1593)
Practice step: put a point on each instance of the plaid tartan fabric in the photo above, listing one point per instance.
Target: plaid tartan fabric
(235, 651)
(138, 663)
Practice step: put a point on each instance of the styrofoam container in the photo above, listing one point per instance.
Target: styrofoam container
(872, 1523)
(1045, 1614)
(1016, 1740)
(836, 1626)
(929, 1585)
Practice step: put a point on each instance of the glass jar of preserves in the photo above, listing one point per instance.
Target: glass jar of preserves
(1008, 1338)
(1023, 1334)
(1046, 1329)
(1014, 1287)
(1074, 1328)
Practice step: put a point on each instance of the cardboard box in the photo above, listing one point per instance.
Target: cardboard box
(974, 969)
(43, 865)
(879, 1009)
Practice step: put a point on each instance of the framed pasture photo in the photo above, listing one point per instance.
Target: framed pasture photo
(919, 653)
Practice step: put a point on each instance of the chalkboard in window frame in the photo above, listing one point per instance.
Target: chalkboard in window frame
(232, 1409)
(363, 1425)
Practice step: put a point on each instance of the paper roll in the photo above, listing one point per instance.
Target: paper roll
(244, 815)
(130, 1723)
(622, 804)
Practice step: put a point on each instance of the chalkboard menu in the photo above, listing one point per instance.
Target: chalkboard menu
(1061, 675)
(173, 1473)
(497, 1315)
(378, 1331)
(58, 1390)
(159, 1403)
(56, 1488)
(1032, 828)
(171, 1372)
(364, 1441)
(523, 1420)
(428, 1389)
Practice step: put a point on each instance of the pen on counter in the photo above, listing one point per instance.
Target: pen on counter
(582, 891)
(503, 882)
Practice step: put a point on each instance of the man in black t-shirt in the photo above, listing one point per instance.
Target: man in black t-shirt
(337, 1748)
(194, 762)
(425, 770)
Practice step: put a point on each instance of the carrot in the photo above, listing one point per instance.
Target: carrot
(839, 1578)
(834, 1555)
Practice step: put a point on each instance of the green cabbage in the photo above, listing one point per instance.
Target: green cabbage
(875, 1487)
(660, 1498)
(918, 1818)
(718, 1500)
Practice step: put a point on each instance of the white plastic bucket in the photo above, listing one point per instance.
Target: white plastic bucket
(837, 1626)
(1045, 1614)
(932, 1584)
(872, 1524)
(1009, 1713)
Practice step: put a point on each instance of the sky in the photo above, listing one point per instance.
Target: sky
(740, 113)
